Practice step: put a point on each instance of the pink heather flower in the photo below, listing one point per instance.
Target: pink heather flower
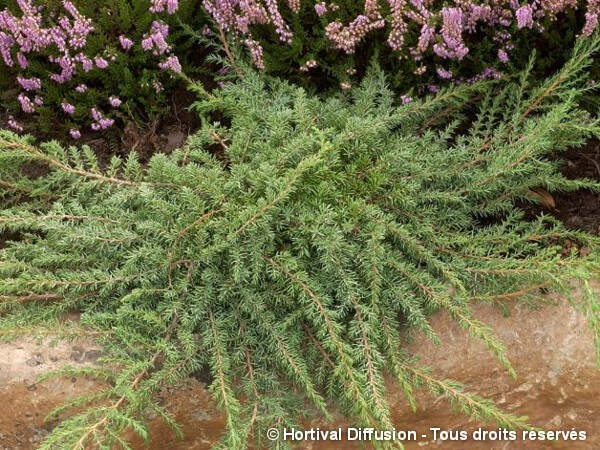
(406, 99)
(452, 29)
(524, 17)
(81, 88)
(346, 38)
(115, 102)
(147, 43)
(170, 6)
(96, 115)
(321, 8)
(125, 42)
(403, 19)
(101, 63)
(591, 23)
(487, 73)
(171, 63)
(28, 33)
(30, 84)
(75, 134)
(433, 88)
(26, 104)
(503, 56)
(100, 122)
(310, 64)
(67, 107)
(67, 69)
(38, 101)
(256, 52)
(444, 74)
(86, 63)
(12, 123)
(158, 87)
(156, 40)
(22, 61)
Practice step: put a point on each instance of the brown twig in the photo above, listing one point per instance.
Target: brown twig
(230, 57)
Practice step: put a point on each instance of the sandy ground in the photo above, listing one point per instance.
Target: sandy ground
(558, 386)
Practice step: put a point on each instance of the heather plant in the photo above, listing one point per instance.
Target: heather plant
(289, 249)
(84, 65)
(421, 44)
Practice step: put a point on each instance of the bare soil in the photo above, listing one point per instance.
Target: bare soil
(558, 386)
(581, 210)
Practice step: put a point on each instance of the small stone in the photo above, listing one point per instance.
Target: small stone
(35, 360)
(93, 355)
(77, 354)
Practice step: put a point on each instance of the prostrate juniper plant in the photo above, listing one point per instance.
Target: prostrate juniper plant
(289, 264)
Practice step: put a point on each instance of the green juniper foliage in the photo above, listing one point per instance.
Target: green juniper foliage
(293, 264)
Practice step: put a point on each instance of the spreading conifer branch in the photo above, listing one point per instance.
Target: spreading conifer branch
(289, 267)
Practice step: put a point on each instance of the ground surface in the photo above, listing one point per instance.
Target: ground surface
(581, 210)
(558, 386)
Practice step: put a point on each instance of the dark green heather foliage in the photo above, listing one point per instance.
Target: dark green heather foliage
(131, 75)
(310, 42)
(292, 264)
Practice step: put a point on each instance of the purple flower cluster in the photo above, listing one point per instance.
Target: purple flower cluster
(238, 15)
(310, 64)
(171, 63)
(441, 30)
(27, 104)
(169, 6)
(524, 15)
(12, 123)
(256, 52)
(100, 122)
(444, 74)
(125, 42)
(47, 33)
(156, 42)
(29, 84)
(452, 45)
(346, 38)
(101, 63)
(321, 9)
(67, 108)
(115, 102)
(24, 36)
(156, 39)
